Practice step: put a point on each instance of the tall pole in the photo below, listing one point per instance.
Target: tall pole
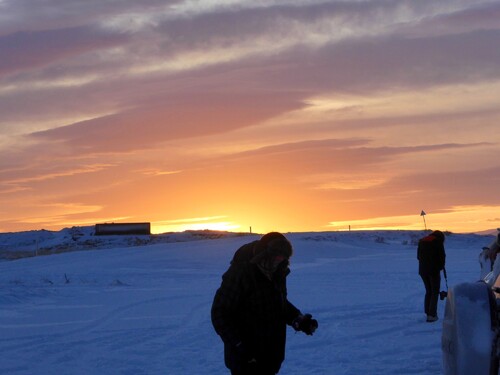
(423, 217)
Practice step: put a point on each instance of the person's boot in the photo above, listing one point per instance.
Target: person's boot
(431, 318)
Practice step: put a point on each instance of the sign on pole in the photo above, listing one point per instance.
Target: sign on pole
(423, 217)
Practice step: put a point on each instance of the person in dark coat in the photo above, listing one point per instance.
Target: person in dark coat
(431, 260)
(250, 310)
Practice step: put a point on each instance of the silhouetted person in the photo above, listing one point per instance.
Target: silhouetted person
(431, 260)
(250, 310)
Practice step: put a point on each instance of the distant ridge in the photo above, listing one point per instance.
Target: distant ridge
(16, 245)
(489, 232)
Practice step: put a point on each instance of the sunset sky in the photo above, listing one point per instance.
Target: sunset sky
(228, 114)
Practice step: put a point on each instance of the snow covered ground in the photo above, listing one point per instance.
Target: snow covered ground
(146, 309)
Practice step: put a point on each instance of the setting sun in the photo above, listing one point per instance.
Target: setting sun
(194, 224)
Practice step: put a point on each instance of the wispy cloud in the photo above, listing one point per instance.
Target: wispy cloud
(157, 172)
(469, 215)
(58, 174)
(31, 50)
(191, 220)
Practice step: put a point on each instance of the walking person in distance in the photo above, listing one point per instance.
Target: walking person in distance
(431, 260)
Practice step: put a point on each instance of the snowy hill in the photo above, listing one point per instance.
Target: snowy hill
(43, 242)
(142, 305)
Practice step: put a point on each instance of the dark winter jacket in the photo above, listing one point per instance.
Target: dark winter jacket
(249, 308)
(430, 254)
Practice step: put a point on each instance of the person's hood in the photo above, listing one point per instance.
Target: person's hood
(254, 253)
(245, 253)
(434, 236)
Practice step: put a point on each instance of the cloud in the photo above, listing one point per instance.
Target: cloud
(469, 216)
(31, 213)
(61, 212)
(370, 65)
(476, 17)
(60, 173)
(466, 187)
(56, 14)
(301, 23)
(292, 50)
(333, 155)
(435, 190)
(156, 172)
(191, 220)
(178, 117)
(29, 50)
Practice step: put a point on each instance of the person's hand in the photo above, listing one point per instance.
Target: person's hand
(305, 323)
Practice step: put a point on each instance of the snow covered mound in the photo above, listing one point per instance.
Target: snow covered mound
(43, 242)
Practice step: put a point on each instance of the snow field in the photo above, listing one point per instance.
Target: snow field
(146, 309)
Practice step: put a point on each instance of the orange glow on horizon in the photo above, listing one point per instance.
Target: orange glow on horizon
(460, 219)
(204, 223)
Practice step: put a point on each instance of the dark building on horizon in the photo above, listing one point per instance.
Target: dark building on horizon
(122, 228)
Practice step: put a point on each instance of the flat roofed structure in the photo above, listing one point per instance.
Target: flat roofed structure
(122, 228)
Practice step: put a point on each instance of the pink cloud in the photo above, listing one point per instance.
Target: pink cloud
(28, 50)
(178, 117)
